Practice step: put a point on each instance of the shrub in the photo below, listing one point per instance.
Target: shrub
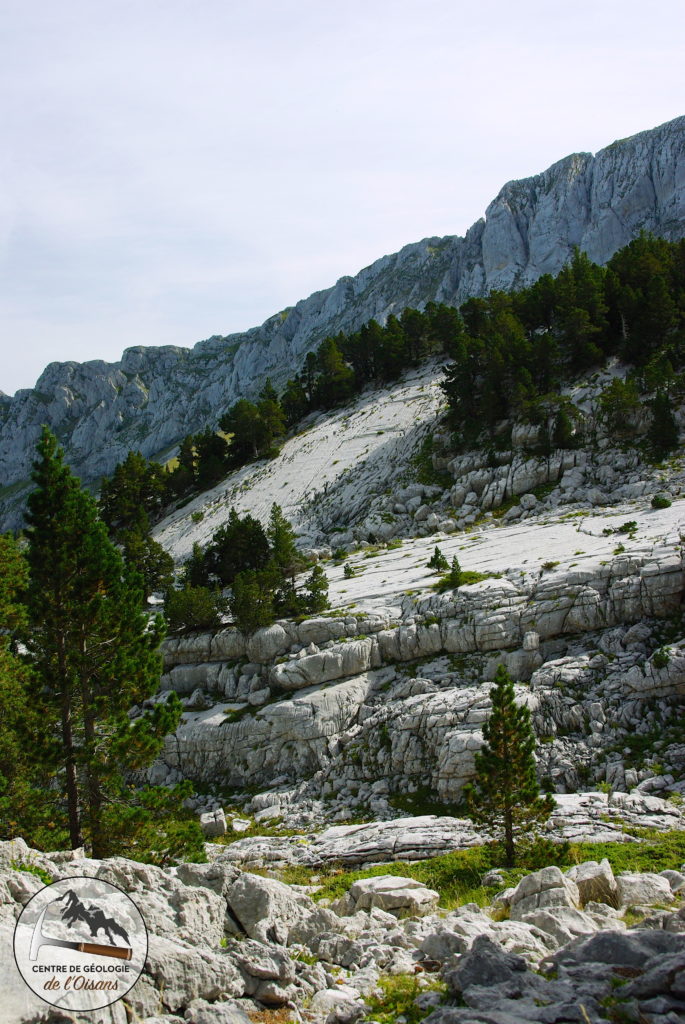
(194, 608)
(661, 501)
(661, 658)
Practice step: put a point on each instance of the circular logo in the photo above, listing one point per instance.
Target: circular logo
(80, 943)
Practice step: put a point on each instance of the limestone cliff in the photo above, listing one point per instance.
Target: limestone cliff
(154, 396)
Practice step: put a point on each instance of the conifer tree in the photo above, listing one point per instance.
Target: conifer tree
(663, 430)
(316, 599)
(505, 795)
(281, 538)
(94, 650)
(26, 803)
(437, 561)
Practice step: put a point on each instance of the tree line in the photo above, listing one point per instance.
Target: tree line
(508, 356)
(514, 351)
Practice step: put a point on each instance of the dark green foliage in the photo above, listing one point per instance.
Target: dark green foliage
(619, 405)
(149, 559)
(152, 826)
(93, 652)
(252, 601)
(253, 427)
(455, 576)
(663, 431)
(438, 562)
(131, 500)
(194, 608)
(281, 536)
(316, 591)
(661, 658)
(515, 350)
(348, 571)
(661, 501)
(26, 771)
(505, 794)
(210, 459)
(239, 545)
(195, 572)
(134, 496)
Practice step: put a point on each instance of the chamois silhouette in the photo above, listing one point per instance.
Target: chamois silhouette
(94, 918)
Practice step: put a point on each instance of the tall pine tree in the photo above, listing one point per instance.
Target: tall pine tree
(93, 649)
(505, 795)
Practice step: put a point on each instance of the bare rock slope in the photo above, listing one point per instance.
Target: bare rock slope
(154, 396)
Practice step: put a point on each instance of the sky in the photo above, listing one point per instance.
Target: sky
(175, 169)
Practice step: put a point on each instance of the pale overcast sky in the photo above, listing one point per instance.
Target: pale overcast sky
(173, 169)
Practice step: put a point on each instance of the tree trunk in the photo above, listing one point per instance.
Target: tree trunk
(93, 785)
(509, 848)
(74, 812)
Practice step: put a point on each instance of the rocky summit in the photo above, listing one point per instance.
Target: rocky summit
(155, 396)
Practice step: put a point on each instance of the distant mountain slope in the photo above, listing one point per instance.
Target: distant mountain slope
(154, 396)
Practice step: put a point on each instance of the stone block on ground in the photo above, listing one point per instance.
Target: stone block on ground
(595, 882)
(642, 889)
(399, 896)
(543, 890)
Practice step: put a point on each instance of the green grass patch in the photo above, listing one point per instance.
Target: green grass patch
(467, 576)
(422, 462)
(456, 876)
(399, 999)
(33, 869)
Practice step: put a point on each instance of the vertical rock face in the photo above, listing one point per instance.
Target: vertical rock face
(154, 396)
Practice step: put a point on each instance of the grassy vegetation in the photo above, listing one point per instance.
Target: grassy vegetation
(399, 998)
(33, 869)
(467, 576)
(422, 463)
(456, 876)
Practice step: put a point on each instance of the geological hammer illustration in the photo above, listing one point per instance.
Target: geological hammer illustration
(38, 940)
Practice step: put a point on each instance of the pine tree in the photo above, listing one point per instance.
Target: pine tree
(94, 650)
(251, 603)
(27, 805)
(663, 430)
(455, 576)
(438, 562)
(505, 795)
(281, 536)
(316, 598)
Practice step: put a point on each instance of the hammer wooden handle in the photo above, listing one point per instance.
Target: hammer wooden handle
(120, 952)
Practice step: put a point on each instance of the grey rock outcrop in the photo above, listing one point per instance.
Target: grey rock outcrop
(154, 396)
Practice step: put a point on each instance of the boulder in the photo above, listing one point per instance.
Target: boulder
(486, 964)
(563, 923)
(543, 890)
(267, 909)
(642, 889)
(213, 823)
(595, 882)
(395, 894)
(267, 644)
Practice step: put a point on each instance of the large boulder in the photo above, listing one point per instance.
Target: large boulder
(595, 882)
(642, 889)
(395, 894)
(543, 890)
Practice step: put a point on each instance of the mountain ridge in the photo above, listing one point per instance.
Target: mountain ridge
(153, 396)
